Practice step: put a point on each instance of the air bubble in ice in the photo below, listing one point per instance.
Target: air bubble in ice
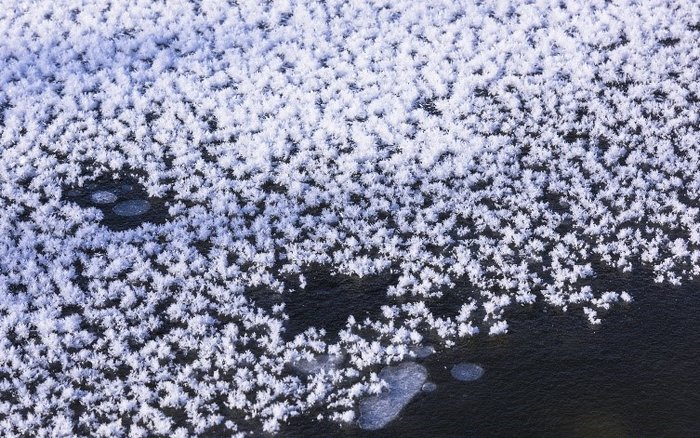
(429, 387)
(103, 197)
(132, 208)
(423, 351)
(467, 372)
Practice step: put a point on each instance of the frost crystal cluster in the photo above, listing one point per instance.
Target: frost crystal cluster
(491, 154)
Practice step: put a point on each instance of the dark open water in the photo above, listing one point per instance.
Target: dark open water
(637, 374)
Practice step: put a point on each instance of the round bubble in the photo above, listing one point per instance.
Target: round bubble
(466, 372)
(132, 208)
(423, 351)
(429, 387)
(126, 188)
(103, 197)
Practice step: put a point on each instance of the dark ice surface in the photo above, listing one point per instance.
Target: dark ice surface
(328, 300)
(553, 374)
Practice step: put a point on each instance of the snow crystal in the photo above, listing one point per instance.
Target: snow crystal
(467, 372)
(404, 381)
(134, 207)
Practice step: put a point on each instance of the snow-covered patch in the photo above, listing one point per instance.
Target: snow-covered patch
(403, 382)
(492, 155)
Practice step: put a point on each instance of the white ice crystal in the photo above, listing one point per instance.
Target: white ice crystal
(499, 327)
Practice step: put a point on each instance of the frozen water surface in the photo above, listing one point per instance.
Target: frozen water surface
(525, 148)
(134, 207)
(467, 372)
(404, 381)
(328, 300)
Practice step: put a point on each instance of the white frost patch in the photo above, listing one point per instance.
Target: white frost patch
(498, 328)
(403, 381)
(592, 316)
(467, 372)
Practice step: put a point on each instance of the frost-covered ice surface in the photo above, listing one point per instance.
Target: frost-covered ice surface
(513, 148)
(403, 382)
(467, 372)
